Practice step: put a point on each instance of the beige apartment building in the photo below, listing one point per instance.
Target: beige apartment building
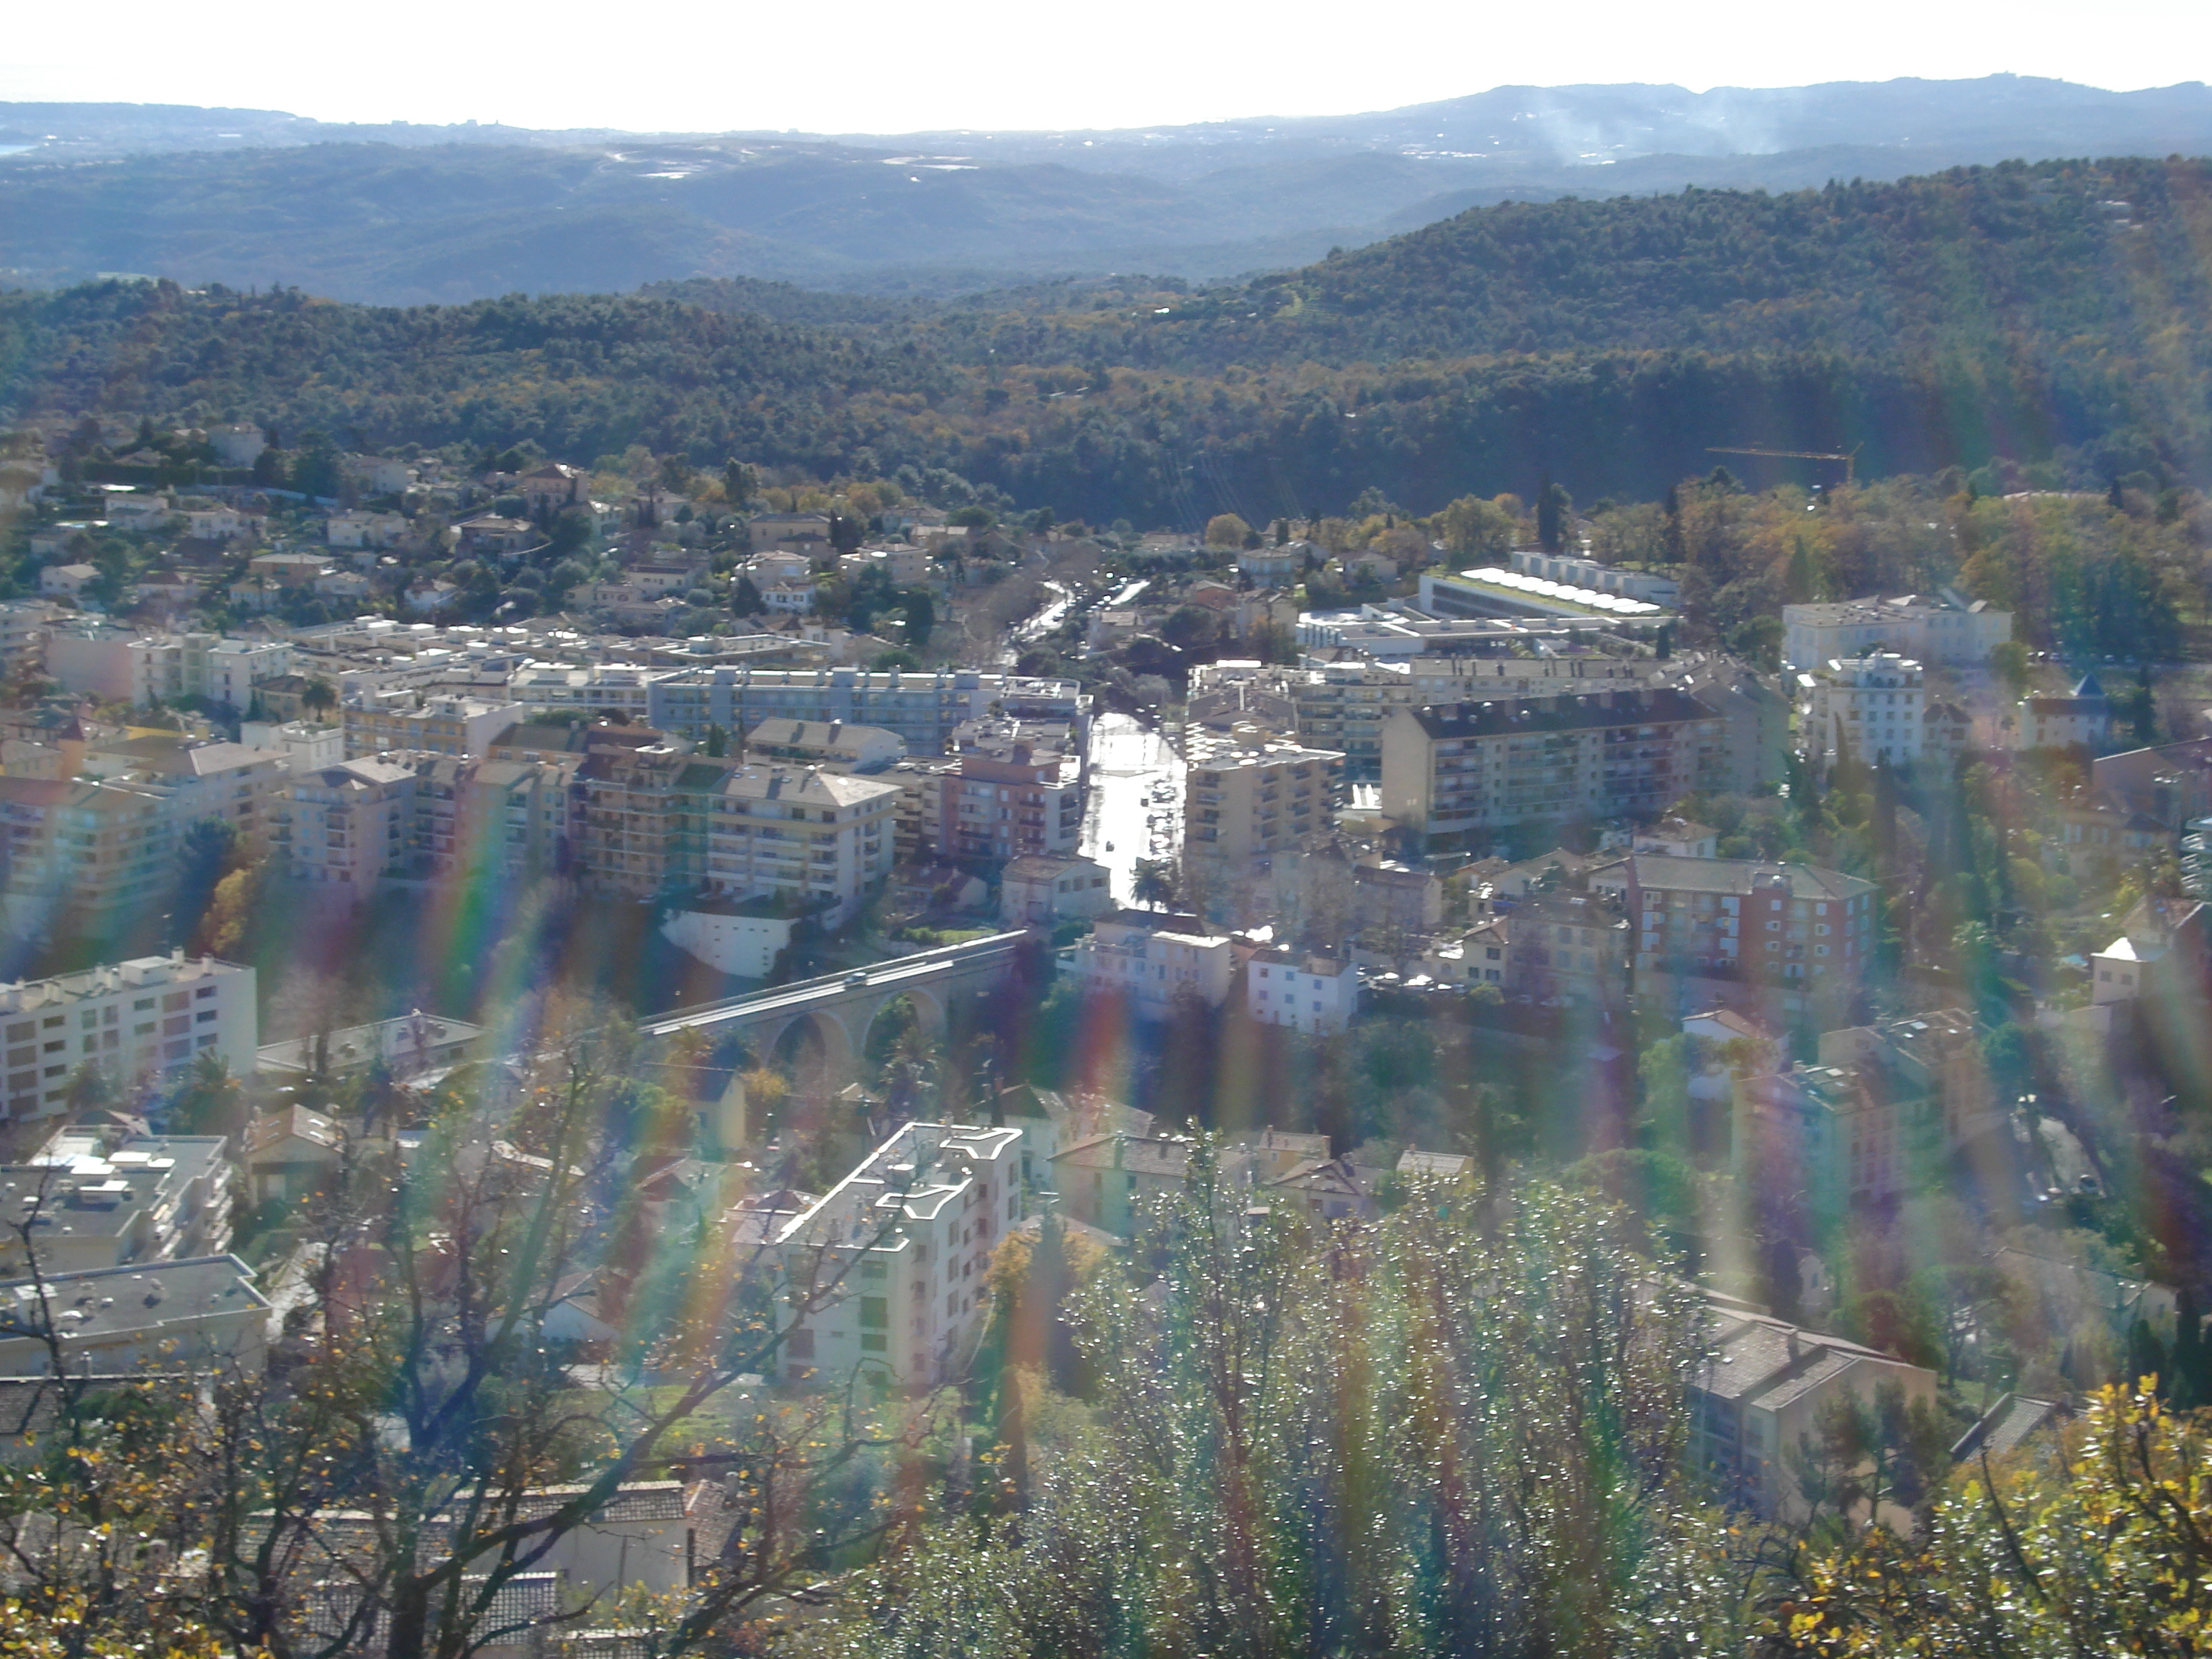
(660, 817)
(1471, 769)
(798, 834)
(348, 826)
(1246, 796)
(442, 725)
(1795, 925)
(243, 786)
(504, 818)
(92, 858)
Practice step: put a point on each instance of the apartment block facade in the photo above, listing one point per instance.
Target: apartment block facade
(442, 725)
(1013, 791)
(348, 826)
(923, 708)
(1475, 768)
(510, 819)
(1948, 628)
(893, 1260)
(90, 857)
(659, 817)
(1871, 708)
(1247, 796)
(1152, 958)
(1318, 994)
(1794, 925)
(132, 1020)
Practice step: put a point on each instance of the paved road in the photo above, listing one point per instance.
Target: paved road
(1050, 617)
(1130, 766)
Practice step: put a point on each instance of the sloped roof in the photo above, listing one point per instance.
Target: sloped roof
(294, 1122)
(1135, 1154)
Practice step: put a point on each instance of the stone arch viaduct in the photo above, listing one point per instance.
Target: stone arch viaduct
(839, 1008)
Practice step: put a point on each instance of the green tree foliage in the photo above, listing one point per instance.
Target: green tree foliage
(1459, 1434)
(1154, 883)
(2102, 1549)
(209, 851)
(1226, 530)
(1999, 320)
(1554, 511)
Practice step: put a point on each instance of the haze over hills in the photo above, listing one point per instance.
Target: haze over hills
(410, 214)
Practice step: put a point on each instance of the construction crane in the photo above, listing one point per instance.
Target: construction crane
(1850, 461)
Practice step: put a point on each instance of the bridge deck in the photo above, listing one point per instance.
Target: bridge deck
(916, 969)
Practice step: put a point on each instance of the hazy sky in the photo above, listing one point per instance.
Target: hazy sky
(898, 65)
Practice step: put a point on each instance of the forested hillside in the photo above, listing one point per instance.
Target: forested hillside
(2051, 318)
(1962, 260)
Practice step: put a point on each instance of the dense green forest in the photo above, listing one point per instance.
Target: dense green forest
(1960, 262)
(2038, 324)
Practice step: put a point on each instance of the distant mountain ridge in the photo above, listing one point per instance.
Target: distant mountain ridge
(418, 214)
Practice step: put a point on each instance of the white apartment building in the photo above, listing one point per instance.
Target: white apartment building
(346, 825)
(898, 1254)
(1307, 994)
(788, 598)
(1343, 706)
(307, 745)
(2083, 716)
(1873, 708)
(1272, 565)
(132, 1019)
(1761, 1395)
(357, 529)
(242, 785)
(223, 671)
(906, 566)
(1947, 629)
(1150, 958)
